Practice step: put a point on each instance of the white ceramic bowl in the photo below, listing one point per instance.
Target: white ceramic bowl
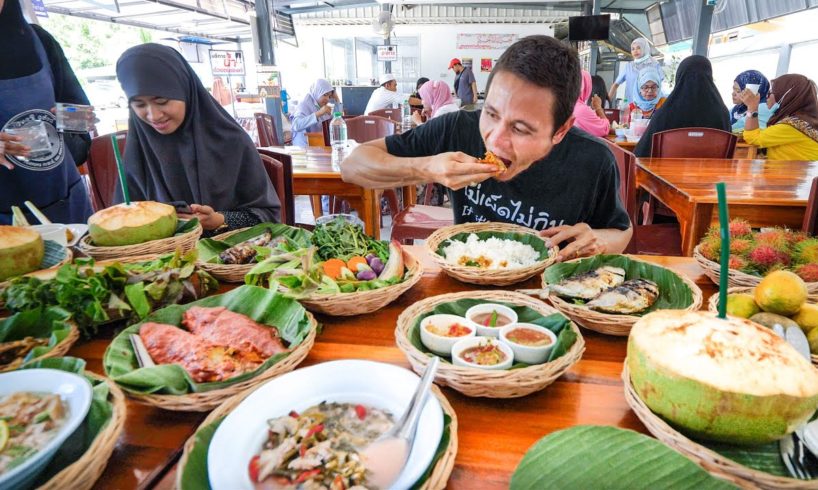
(470, 342)
(440, 344)
(78, 230)
(488, 308)
(54, 232)
(243, 432)
(527, 353)
(75, 392)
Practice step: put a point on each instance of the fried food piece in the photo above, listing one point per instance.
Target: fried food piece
(492, 159)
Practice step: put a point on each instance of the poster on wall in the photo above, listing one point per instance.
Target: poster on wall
(485, 41)
(387, 53)
(486, 64)
(467, 63)
(226, 62)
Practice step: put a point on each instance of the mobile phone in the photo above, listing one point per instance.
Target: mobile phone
(181, 207)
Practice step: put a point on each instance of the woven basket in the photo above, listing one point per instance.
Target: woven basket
(481, 382)
(58, 350)
(612, 324)
(437, 480)
(69, 255)
(713, 462)
(186, 242)
(208, 400)
(476, 275)
(739, 279)
(84, 472)
(362, 302)
(227, 272)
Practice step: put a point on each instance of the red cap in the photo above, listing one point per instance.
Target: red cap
(455, 61)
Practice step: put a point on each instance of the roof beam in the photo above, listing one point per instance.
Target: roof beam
(191, 8)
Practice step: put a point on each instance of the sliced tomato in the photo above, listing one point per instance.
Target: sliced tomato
(338, 483)
(315, 430)
(360, 410)
(302, 450)
(293, 414)
(306, 475)
(253, 468)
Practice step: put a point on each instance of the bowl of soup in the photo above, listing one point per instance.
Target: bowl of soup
(489, 318)
(440, 332)
(482, 353)
(531, 343)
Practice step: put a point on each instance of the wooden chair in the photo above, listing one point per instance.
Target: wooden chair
(281, 175)
(325, 129)
(391, 114)
(811, 214)
(419, 221)
(102, 169)
(368, 128)
(654, 239)
(612, 115)
(267, 135)
(693, 143)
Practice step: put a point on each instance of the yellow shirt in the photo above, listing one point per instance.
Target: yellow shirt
(783, 142)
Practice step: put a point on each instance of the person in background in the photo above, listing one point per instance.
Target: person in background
(592, 121)
(437, 100)
(416, 94)
(640, 50)
(649, 97)
(183, 146)
(34, 76)
(694, 102)
(599, 89)
(792, 131)
(739, 111)
(465, 85)
(313, 109)
(386, 96)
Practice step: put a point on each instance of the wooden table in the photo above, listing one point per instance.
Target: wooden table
(743, 150)
(493, 434)
(765, 193)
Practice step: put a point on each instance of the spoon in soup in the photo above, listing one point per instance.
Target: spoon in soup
(385, 457)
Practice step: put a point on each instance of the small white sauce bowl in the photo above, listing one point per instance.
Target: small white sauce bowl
(468, 343)
(54, 232)
(527, 353)
(439, 344)
(488, 308)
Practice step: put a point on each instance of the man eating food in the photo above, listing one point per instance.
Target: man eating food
(557, 179)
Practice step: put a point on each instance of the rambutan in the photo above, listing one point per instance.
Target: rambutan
(797, 237)
(806, 252)
(776, 238)
(765, 257)
(739, 228)
(808, 272)
(740, 246)
(710, 247)
(738, 263)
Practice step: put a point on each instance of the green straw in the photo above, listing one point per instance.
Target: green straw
(724, 227)
(122, 180)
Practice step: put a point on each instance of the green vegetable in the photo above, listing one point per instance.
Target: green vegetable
(340, 239)
(493, 319)
(42, 417)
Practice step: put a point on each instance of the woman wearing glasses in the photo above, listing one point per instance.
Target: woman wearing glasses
(649, 98)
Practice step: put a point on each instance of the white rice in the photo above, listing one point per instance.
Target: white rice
(498, 250)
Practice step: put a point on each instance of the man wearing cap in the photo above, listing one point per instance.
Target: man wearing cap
(386, 96)
(465, 85)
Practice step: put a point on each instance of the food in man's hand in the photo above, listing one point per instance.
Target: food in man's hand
(129, 224)
(21, 251)
(633, 296)
(492, 159)
(589, 285)
(213, 344)
(28, 421)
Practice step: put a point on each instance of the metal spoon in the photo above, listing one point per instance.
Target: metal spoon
(386, 456)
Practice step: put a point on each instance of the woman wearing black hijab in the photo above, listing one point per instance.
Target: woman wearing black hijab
(694, 102)
(34, 76)
(183, 146)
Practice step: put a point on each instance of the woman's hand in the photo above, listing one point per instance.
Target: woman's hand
(209, 218)
(750, 99)
(324, 111)
(596, 102)
(9, 145)
(416, 118)
(583, 242)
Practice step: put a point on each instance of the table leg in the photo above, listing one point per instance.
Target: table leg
(695, 226)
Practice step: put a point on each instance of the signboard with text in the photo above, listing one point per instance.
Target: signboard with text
(485, 41)
(226, 63)
(387, 53)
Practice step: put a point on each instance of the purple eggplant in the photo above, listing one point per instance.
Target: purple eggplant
(366, 275)
(369, 258)
(376, 265)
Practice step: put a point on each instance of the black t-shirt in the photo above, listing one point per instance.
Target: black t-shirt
(578, 182)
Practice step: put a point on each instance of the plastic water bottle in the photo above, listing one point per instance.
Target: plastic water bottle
(338, 132)
(636, 114)
(624, 113)
(406, 116)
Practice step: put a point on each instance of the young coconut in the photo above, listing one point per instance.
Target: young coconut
(138, 222)
(21, 251)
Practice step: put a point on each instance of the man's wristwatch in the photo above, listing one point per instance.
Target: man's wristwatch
(754, 114)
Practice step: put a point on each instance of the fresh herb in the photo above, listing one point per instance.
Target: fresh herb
(471, 263)
(493, 320)
(42, 417)
(340, 239)
(578, 301)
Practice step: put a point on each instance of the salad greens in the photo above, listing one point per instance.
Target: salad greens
(340, 239)
(96, 295)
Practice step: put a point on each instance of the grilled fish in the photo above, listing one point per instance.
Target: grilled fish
(631, 296)
(588, 285)
(245, 252)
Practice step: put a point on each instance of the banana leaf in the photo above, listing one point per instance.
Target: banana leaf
(603, 458)
(536, 242)
(674, 294)
(98, 417)
(194, 472)
(42, 323)
(556, 322)
(262, 305)
(209, 249)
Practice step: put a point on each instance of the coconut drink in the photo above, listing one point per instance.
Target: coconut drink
(130, 224)
(21, 251)
(727, 380)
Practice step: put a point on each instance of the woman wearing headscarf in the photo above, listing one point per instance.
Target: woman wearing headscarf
(739, 111)
(312, 111)
(183, 146)
(592, 121)
(649, 96)
(34, 76)
(640, 50)
(437, 100)
(694, 102)
(792, 131)
(416, 94)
